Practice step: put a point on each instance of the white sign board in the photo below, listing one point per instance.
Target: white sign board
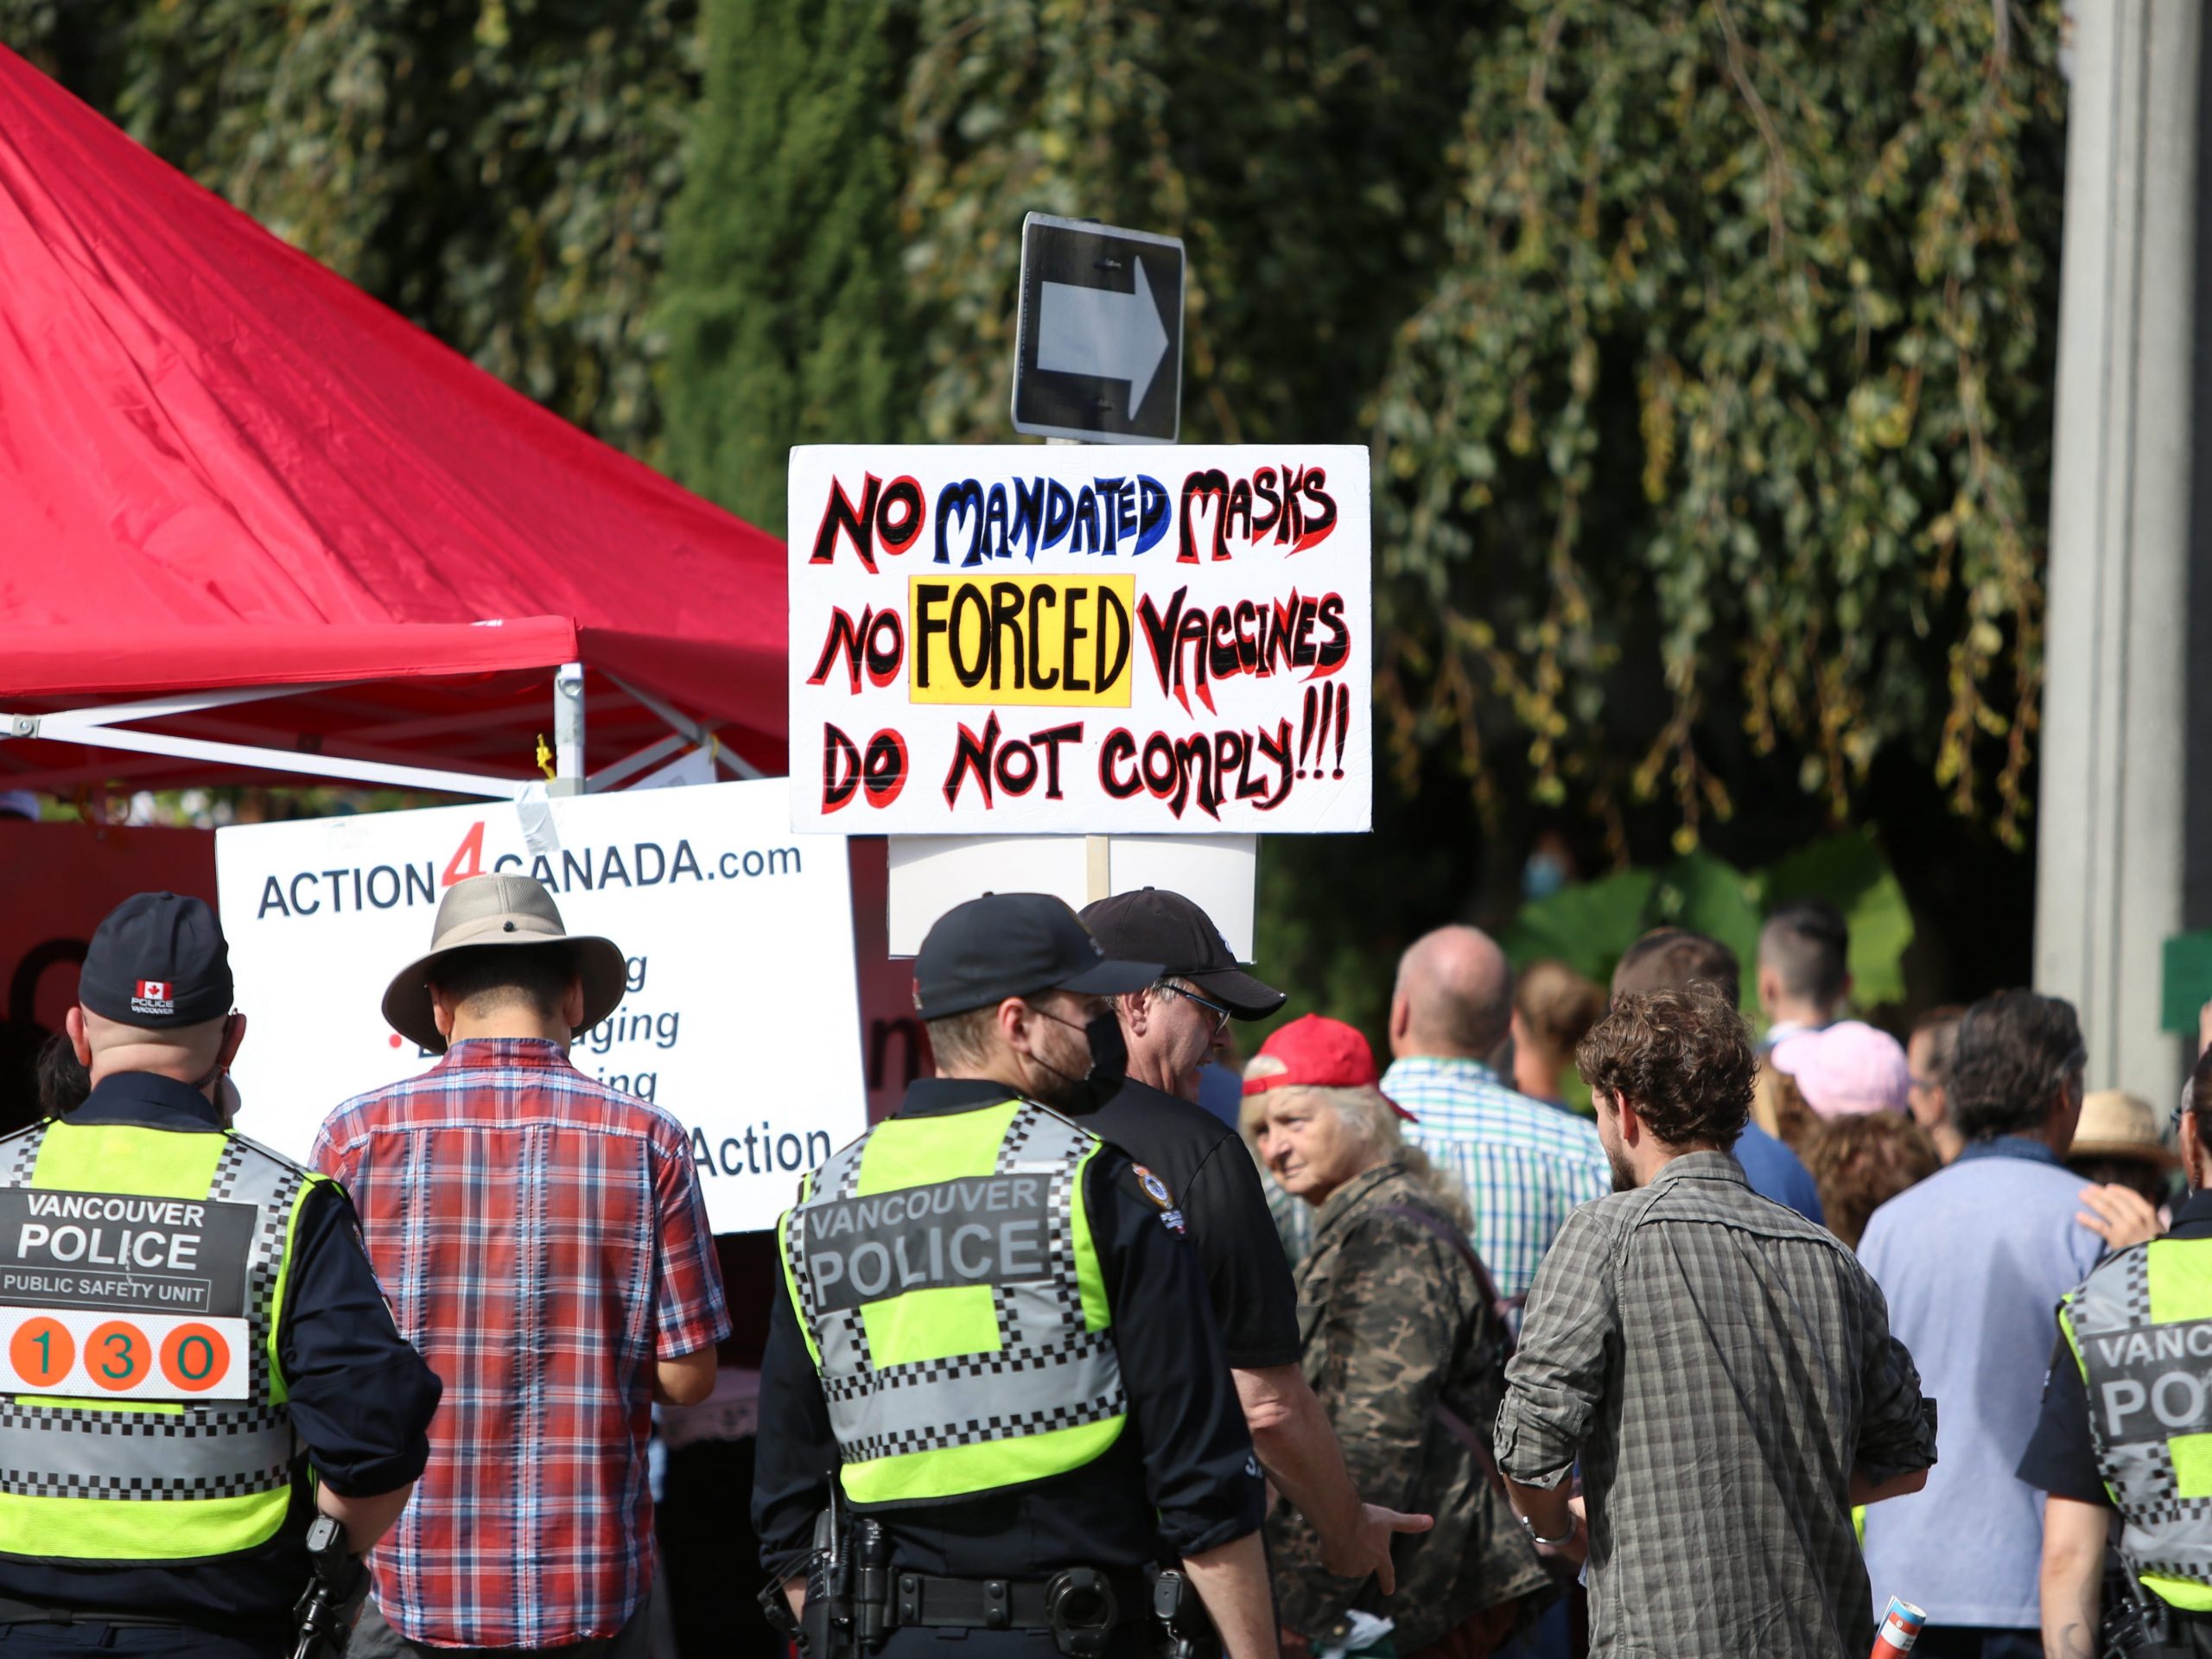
(741, 1016)
(1016, 641)
(931, 874)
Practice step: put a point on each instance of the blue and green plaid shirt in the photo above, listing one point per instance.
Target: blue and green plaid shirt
(1524, 1164)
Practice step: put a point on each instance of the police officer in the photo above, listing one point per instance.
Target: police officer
(1170, 1029)
(198, 1353)
(995, 1340)
(2125, 1423)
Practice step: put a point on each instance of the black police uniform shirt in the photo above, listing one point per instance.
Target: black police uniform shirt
(361, 1400)
(1217, 1187)
(2060, 1457)
(1180, 1477)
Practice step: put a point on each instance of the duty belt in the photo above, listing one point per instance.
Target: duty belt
(1078, 1603)
(13, 1612)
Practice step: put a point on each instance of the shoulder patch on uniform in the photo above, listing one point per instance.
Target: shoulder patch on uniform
(1172, 1220)
(1154, 1188)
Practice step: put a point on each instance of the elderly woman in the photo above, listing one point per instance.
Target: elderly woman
(1405, 1346)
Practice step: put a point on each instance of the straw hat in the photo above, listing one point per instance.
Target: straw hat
(494, 911)
(2117, 1125)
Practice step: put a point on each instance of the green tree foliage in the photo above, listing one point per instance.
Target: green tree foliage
(497, 170)
(1591, 924)
(785, 300)
(1300, 150)
(1705, 346)
(1733, 404)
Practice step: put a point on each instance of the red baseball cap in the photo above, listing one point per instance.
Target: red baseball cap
(1315, 1051)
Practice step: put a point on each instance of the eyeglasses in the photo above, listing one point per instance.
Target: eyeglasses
(1221, 1016)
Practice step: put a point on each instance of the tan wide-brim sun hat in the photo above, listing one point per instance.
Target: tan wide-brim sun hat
(2119, 1125)
(502, 910)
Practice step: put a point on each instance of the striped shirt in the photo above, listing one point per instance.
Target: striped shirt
(544, 1242)
(1524, 1165)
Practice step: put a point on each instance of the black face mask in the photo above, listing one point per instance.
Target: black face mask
(216, 1069)
(1109, 1064)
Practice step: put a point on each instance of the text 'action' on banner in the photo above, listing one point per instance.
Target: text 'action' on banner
(1013, 640)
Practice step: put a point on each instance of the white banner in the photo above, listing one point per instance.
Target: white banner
(1011, 639)
(741, 1016)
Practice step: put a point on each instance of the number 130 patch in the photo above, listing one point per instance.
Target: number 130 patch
(107, 1355)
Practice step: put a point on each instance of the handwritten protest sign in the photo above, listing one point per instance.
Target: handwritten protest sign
(1009, 639)
(738, 1012)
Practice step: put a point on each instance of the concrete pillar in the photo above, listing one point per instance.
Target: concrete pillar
(2111, 833)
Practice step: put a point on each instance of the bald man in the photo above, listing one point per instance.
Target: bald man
(1525, 1164)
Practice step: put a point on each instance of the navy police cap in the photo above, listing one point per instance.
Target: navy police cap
(1014, 944)
(159, 960)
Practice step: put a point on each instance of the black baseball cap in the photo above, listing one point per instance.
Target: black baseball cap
(1014, 944)
(1153, 922)
(159, 962)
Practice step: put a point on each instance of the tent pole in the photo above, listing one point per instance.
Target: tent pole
(629, 764)
(567, 731)
(75, 728)
(191, 703)
(692, 729)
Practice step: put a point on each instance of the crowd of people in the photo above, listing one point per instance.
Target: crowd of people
(1073, 1353)
(1663, 1376)
(1743, 1389)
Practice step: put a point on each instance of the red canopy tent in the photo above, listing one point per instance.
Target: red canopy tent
(252, 523)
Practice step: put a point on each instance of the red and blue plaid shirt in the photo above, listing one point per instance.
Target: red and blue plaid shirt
(544, 1242)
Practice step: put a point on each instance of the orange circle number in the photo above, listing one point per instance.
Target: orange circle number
(118, 1356)
(194, 1357)
(42, 1351)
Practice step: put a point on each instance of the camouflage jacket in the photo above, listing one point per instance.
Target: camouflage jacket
(1393, 1329)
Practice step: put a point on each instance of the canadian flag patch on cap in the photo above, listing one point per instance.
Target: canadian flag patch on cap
(153, 996)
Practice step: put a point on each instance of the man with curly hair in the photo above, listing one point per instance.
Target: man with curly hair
(1721, 1368)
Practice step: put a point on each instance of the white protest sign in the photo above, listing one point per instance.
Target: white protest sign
(1015, 640)
(929, 874)
(741, 1014)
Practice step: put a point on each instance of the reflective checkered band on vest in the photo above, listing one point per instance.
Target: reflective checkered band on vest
(197, 1453)
(1002, 1233)
(2148, 1383)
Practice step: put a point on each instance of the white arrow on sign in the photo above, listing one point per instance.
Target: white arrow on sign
(1097, 332)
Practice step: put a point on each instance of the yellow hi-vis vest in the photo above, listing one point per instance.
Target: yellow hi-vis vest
(2141, 1326)
(142, 1272)
(944, 1273)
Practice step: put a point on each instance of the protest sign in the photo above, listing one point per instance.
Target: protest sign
(740, 1015)
(1008, 639)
